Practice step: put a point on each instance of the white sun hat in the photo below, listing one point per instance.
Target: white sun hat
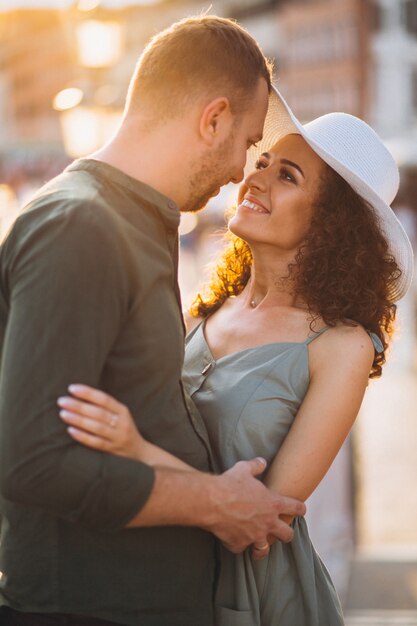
(354, 150)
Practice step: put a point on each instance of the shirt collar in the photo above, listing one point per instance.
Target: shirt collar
(145, 193)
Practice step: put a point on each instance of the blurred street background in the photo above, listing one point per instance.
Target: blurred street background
(64, 71)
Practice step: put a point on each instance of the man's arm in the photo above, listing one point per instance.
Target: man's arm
(64, 279)
(234, 506)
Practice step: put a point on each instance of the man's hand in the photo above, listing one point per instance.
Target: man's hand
(245, 512)
(235, 506)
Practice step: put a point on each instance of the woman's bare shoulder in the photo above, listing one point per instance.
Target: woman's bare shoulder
(344, 346)
(351, 337)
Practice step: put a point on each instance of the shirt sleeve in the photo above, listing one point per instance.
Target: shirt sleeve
(66, 285)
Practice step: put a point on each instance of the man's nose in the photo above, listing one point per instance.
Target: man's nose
(238, 175)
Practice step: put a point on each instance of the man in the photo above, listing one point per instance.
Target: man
(89, 294)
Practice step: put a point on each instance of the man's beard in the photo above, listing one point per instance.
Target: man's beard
(210, 175)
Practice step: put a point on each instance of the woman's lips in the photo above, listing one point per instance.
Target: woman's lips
(253, 204)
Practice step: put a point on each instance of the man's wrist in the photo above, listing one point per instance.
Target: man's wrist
(208, 509)
(179, 498)
(203, 491)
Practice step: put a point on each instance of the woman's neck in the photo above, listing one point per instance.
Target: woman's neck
(270, 284)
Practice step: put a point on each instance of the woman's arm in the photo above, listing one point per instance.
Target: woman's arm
(340, 363)
(235, 507)
(97, 420)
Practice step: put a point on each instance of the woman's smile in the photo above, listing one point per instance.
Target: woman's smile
(252, 204)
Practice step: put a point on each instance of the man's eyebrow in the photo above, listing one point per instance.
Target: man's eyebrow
(297, 167)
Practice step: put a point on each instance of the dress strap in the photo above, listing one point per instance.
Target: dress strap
(316, 334)
(376, 341)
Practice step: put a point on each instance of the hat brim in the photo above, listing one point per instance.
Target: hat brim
(281, 121)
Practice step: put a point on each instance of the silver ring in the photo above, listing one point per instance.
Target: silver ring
(113, 420)
(260, 548)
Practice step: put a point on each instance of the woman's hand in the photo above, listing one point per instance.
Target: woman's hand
(97, 420)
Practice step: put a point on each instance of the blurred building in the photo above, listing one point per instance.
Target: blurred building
(44, 51)
(394, 109)
(394, 87)
(323, 56)
(35, 60)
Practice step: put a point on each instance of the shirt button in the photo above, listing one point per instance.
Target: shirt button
(206, 369)
(172, 204)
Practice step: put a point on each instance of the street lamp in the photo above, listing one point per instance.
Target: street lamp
(68, 98)
(86, 128)
(85, 123)
(99, 43)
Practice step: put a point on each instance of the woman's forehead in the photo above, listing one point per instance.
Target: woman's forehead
(294, 146)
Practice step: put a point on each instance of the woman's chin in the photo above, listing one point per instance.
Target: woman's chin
(241, 229)
(233, 226)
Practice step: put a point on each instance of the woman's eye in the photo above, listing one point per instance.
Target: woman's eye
(286, 175)
(260, 165)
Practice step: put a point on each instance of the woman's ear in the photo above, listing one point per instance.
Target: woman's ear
(216, 121)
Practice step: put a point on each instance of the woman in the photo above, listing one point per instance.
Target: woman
(296, 320)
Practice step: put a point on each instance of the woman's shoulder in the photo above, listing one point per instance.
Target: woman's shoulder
(345, 345)
(350, 336)
(349, 331)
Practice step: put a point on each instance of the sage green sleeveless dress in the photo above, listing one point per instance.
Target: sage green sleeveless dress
(248, 401)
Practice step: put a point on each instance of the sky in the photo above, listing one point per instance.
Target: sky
(6, 5)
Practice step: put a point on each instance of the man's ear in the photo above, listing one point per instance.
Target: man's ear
(216, 121)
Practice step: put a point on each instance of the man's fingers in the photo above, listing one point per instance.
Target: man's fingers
(254, 512)
(256, 466)
(271, 540)
(290, 506)
(283, 532)
(260, 551)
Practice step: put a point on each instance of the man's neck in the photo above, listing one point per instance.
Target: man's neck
(157, 158)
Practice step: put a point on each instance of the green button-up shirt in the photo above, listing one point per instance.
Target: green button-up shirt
(89, 294)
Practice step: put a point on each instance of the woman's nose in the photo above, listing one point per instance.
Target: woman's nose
(256, 179)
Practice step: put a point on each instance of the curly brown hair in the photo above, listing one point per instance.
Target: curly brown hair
(342, 271)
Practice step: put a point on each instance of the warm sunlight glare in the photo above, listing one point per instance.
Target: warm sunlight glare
(188, 223)
(87, 5)
(99, 43)
(67, 99)
(86, 129)
(8, 210)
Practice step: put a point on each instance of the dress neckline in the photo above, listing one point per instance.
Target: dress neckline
(254, 348)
